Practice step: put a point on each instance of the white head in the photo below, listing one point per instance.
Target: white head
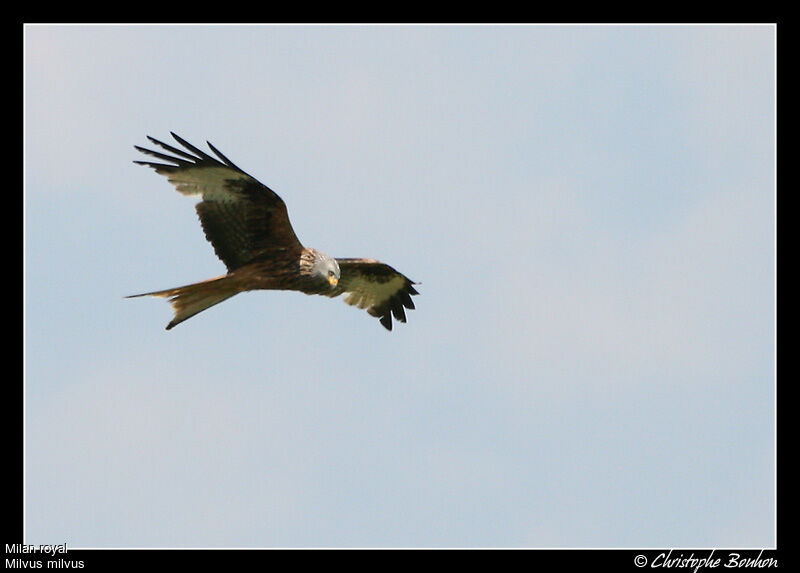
(326, 267)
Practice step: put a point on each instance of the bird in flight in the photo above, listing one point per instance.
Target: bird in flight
(247, 224)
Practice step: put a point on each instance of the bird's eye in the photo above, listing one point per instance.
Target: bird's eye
(330, 273)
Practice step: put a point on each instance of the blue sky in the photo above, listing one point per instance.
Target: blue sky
(590, 211)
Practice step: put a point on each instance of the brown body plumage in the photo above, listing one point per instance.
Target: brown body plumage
(248, 225)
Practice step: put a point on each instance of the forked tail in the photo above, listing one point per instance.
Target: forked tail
(188, 300)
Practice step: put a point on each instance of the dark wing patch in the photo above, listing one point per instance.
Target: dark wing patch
(376, 287)
(243, 219)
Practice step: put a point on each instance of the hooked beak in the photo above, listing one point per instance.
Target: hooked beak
(333, 280)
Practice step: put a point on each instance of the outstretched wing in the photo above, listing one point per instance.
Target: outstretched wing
(376, 287)
(243, 219)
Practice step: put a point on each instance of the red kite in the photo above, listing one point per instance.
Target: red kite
(248, 226)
